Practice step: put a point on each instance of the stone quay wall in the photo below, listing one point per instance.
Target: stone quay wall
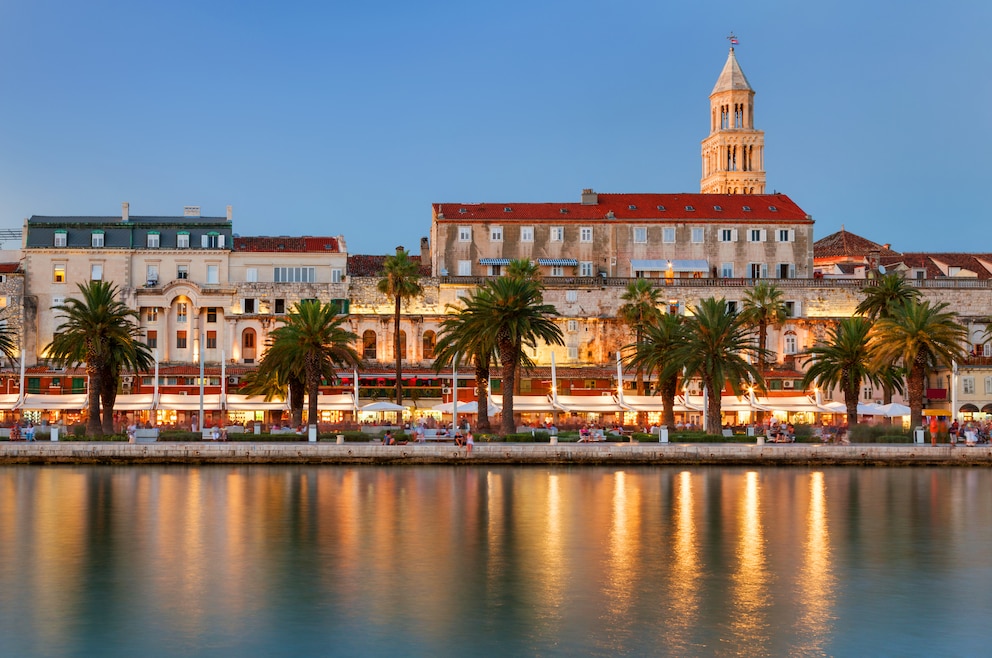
(492, 454)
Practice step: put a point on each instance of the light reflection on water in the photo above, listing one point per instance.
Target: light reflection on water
(476, 561)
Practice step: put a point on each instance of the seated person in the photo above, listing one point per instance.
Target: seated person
(459, 439)
(387, 439)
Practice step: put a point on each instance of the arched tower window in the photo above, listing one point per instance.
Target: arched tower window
(248, 345)
(368, 345)
(429, 342)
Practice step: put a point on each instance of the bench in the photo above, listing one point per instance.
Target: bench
(595, 436)
(436, 435)
(146, 435)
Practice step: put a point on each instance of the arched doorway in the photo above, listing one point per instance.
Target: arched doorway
(248, 338)
(368, 345)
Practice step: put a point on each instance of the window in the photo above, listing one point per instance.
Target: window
(668, 235)
(573, 326)
(151, 339)
(211, 314)
(697, 236)
(213, 274)
(792, 309)
(181, 340)
(337, 275)
(732, 307)
(640, 234)
(727, 270)
(152, 240)
(248, 305)
(96, 272)
(526, 233)
(571, 295)
(340, 306)
(429, 342)
(182, 312)
(151, 314)
(151, 274)
(211, 340)
(464, 233)
(557, 234)
(585, 234)
(756, 235)
(786, 235)
(182, 271)
(573, 353)
(294, 275)
(248, 339)
(280, 306)
(368, 345)
(968, 385)
(728, 235)
(988, 385)
(96, 238)
(987, 349)
(60, 238)
(464, 268)
(557, 270)
(251, 274)
(585, 268)
(182, 240)
(495, 233)
(211, 240)
(791, 344)
(758, 270)
(58, 273)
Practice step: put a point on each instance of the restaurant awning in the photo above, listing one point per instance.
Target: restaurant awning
(8, 401)
(564, 262)
(174, 402)
(526, 403)
(76, 401)
(654, 404)
(337, 402)
(494, 261)
(601, 404)
(135, 402)
(236, 402)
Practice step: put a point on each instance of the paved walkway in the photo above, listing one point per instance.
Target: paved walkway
(493, 453)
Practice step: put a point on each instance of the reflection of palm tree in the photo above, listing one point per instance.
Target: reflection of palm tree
(715, 340)
(638, 312)
(921, 337)
(311, 341)
(654, 352)
(844, 361)
(400, 281)
(104, 334)
(512, 314)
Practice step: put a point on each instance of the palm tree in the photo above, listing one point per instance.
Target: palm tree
(885, 295)
(654, 352)
(311, 341)
(463, 335)
(512, 314)
(921, 337)
(763, 307)
(714, 350)
(104, 334)
(523, 268)
(400, 281)
(844, 361)
(640, 310)
(8, 342)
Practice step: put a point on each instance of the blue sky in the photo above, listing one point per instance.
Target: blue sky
(326, 118)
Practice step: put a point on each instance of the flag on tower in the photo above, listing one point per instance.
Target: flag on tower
(733, 41)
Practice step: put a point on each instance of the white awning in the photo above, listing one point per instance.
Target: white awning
(464, 407)
(526, 403)
(793, 403)
(237, 402)
(75, 401)
(174, 402)
(8, 401)
(337, 402)
(654, 404)
(587, 403)
(135, 402)
(729, 403)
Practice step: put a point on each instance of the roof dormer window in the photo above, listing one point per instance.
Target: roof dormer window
(717, 208)
(661, 208)
(96, 239)
(747, 208)
(61, 238)
(773, 208)
(690, 209)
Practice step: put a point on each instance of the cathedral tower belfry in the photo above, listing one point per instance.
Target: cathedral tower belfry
(734, 152)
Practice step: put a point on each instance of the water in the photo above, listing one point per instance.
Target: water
(280, 561)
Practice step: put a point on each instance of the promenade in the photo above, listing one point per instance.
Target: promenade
(495, 454)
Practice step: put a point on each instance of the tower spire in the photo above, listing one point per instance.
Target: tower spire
(733, 153)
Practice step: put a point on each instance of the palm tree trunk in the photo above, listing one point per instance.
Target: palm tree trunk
(399, 354)
(313, 388)
(713, 415)
(297, 391)
(914, 385)
(482, 392)
(851, 402)
(668, 390)
(93, 425)
(508, 357)
(108, 395)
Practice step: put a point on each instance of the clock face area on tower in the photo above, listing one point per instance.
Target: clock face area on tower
(733, 153)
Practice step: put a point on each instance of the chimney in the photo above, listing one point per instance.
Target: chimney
(125, 212)
(589, 198)
(425, 250)
(887, 246)
(398, 250)
(230, 213)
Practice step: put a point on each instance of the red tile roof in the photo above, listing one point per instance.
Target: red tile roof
(285, 243)
(371, 265)
(844, 244)
(642, 207)
(931, 263)
(9, 268)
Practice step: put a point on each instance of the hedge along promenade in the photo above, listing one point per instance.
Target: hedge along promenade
(684, 454)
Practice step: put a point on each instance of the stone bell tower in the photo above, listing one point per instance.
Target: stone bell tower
(734, 152)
